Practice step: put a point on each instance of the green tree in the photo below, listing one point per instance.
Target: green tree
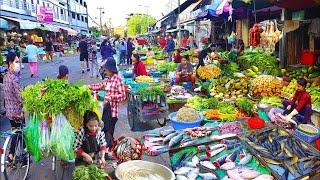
(138, 24)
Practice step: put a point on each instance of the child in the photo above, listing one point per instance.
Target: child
(63, 72)
(90, 143)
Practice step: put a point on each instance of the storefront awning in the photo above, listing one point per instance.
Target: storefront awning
(70, 31)
(4, 24)
(188, 14)
(24, 24)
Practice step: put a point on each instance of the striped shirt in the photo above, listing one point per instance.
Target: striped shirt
(12, 95)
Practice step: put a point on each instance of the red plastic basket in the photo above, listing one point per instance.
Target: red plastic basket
(308, 57)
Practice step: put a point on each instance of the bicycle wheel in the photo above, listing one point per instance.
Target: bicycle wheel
(19, 167)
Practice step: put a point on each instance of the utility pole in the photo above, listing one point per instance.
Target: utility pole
(69, 13)
(101, 11)
(179, 29)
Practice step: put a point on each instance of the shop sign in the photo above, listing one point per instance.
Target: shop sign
(44, 14)
(298, 15)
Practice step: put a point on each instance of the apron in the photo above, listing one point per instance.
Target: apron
(106, 118)
(89, 146)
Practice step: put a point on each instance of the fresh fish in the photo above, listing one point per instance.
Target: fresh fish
(158, 151)
(203, 157)
(151, 134)
(183, 170)
(229, 141)
(208, 176)
(175, 140)
(187, 139)
(264, 177)
(214, 147)
(234, 174)
(228, 166)
(189, 164)
(189, 143)
(154, 139)
(193, 174)
(201, 148)
(232, 146)
(232, 157)
(249, 174)
(221, 160)
(208, 165)
(169, 137)
(224, 136)
(245, 160)
(271, 161)
(195, 160)
(181, 177)
(215, 152)
(166, 132)
(183, 158)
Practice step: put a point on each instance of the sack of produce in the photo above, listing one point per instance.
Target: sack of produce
(44, 139)
(32, 137)
(62, 138)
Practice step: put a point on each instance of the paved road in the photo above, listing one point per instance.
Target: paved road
(42, 170)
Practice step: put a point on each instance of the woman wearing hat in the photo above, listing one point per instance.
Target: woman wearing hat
(303, 105)
(115, 93)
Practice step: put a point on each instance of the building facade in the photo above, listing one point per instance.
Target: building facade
(66, 13)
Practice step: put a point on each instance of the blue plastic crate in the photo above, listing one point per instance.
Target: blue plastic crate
(306, 137)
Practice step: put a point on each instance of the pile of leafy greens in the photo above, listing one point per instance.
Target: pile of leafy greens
(52, 97)
(88, 172)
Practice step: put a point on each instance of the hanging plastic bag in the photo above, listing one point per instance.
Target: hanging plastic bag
(32, 137)
(62, 138)
(44, 139)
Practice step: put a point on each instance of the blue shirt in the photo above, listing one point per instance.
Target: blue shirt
(123, 47)
(32, 53)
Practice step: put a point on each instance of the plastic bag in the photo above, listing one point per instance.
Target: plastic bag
(62, 138)
(32, 137)
(44, 139)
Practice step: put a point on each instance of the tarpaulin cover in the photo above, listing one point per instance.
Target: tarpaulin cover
(4, 24)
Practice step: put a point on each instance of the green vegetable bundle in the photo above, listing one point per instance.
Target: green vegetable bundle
(274, 101)
(229, 69)
(1, 60)
(226, 108)
(167, 66)
(88, 172)
(266, 63)
(315, 96)
(198, 103)
(245, 105)
(150, 93)
(229, 55)
(52, 97)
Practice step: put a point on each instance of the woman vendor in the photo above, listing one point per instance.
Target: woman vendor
(203, 55)
(115, 93)
(138, 67)
(185, 72)
(303, 106)
(177, 56)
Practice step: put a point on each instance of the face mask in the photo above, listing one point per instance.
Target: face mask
(17, 67)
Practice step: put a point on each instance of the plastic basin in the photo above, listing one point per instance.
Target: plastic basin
(178, 125)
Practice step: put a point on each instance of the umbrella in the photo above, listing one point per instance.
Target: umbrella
(297, 4)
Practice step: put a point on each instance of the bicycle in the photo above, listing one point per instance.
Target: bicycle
(20, 165)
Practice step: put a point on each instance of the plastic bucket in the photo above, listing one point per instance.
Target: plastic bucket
(179, 125)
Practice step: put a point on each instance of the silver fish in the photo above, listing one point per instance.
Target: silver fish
(208, 176)
(168, 137)
(183, 170)
(228, 166)
(224, 136)
(181, 177)
(175, 140)
(245, 160)
(195, 160)
(217, 146)
(193, 174)
(234, 174)
(208, 165)
(189, 164)
(215, 152)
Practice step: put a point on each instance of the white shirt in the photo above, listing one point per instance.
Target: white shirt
(32, 53)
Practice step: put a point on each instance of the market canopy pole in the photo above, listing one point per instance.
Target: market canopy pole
(179, 29)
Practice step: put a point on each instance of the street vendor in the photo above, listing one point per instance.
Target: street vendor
(177, 56)
(303, 106)
(115, 93)
(205, 54)
(138, 67)
(185, 72)
(90, 143)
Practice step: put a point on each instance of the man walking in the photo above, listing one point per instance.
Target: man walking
(84, 54)
(130, 48)
(170, 45)
(49, 49)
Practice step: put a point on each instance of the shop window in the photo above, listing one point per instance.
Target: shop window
(73, 15)
(17, 4)
(44, 4)
(81, 2)
(82, 19)
(61, 11)
(57, 13)
(84, 4)
(78, 17)
(86, 19)
(38, 2)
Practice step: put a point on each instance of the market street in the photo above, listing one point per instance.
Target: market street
(42, 170)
